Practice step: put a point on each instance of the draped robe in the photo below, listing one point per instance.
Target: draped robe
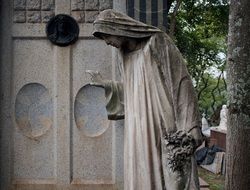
(159, 98)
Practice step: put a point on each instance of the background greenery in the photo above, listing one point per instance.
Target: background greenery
(200, 32)
(216, 182)
(200, 28)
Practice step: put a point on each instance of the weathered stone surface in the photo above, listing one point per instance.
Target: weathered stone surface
(90, 16)
(47, 15)
(33, 110)
(91, 119)
(78, 16)
(66, 154)
(19, 17)
(33, 159)
(48, 5)
(33, 4)
(19, 4)
(91, 4)
(77, 5)
(93, 139)
(33, 16)
(105, 4)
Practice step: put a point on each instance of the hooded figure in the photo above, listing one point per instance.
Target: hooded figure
(156, 95)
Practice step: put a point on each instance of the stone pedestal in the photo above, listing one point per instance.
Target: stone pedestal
(218, 137)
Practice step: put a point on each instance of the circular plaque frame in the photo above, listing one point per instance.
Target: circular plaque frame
(62, 30)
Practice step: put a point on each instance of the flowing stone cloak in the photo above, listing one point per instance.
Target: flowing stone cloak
(159, 99)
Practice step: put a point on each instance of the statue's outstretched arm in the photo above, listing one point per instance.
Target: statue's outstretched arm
(96, 79)
(113, 92)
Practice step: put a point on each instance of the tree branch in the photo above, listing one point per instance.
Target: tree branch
(205, 82)
(212, 92)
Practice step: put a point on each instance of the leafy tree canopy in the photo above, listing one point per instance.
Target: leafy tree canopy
(200, 31)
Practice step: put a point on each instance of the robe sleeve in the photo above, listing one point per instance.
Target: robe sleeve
(179, 87)
(114, 100)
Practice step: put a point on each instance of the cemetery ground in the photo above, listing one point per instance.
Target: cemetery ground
(215, 181)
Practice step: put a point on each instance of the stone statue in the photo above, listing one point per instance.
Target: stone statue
(156, 95)
(223, 118)
(204, 122)
(206, 131)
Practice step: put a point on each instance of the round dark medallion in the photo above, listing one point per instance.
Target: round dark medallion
(62, 30)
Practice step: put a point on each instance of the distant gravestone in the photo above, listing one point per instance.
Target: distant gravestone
(223, 118)
(218, 134)
(205, 126)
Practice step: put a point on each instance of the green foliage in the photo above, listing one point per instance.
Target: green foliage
(213, 95)
(216, 182)
(200, 34)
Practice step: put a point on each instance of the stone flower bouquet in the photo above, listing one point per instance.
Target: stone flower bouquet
(180, 147)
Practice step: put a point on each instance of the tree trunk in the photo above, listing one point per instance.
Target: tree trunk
(238, 74)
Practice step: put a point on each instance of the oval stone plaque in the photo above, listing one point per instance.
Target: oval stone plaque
(90, 111)
(33, 110)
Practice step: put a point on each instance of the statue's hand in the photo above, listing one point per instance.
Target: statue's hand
(197, 135)
(96, 78)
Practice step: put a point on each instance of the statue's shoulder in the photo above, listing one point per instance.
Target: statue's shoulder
(161, 39)
(160, 43)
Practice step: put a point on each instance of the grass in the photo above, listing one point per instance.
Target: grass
(216, 182)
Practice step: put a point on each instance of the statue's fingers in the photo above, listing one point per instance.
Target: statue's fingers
(94, 74)
(96, 84)
(91, 72)
(99, 74)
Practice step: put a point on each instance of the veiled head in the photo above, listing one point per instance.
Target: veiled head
(111, 22)
(116, 41)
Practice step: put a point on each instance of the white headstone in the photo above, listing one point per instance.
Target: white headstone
(223, 118)
(205, 127)
(204, 122)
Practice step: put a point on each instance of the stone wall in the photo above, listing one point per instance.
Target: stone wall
(54, 129)
(33, 11)
(40, 11)
(87, 10)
